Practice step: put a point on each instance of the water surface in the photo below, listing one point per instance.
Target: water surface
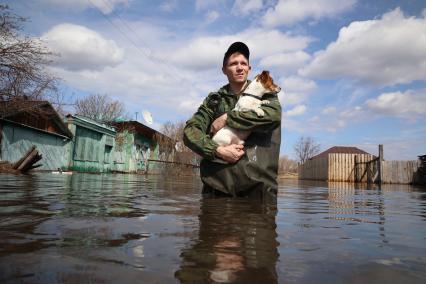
(148, 229)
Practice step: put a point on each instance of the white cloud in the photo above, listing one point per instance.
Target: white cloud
(401, 147)
(169, 6)
(314, 119)
(353, 113)
(298, 84)
(190, 105)
(105, 6)
(329, 110)
(387, 51)
(81, 48)
(288, 12)
(409, 104)
(286, 62)
(245, 7)
(205, 4)
(297, 110)
(207, 52)
(335, 125)
(211, 17)
(296, 90)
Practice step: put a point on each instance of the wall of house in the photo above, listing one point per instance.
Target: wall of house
(90, 152)
(17, 140)
(145, 149)
(132, 151)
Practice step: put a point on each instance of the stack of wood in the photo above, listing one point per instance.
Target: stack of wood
(28, 161)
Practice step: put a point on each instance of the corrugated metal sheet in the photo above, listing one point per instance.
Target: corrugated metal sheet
(18, 139)
(92, 145)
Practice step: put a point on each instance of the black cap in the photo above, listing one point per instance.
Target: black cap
(237, 47)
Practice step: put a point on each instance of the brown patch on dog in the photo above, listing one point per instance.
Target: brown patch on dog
(266, 80)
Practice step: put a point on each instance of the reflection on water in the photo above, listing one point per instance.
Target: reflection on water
(236, 242)
(128, 228)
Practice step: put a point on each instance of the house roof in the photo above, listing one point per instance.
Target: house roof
(43, 109)
(139, 128)
(340, 150)
(89, 123)
(13, 107)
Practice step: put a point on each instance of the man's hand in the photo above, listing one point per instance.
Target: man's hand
(218, 123)
(231, 153)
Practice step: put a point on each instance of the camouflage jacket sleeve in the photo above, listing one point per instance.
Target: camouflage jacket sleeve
(196, 132)
(249, 120)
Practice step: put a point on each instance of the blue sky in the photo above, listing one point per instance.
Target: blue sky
(353, 72)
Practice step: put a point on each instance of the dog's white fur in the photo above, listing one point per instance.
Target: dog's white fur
(257, 88)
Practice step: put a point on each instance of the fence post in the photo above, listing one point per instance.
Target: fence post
(356, 169)
(380, 165)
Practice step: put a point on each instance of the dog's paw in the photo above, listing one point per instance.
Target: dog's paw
(259, 112)
(265, 102)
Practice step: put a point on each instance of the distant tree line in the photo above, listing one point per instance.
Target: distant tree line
(100, 108)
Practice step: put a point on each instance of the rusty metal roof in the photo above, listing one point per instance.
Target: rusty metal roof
(12, 108)
(139, 128)
(340, 150)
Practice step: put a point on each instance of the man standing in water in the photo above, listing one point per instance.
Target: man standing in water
(252, 168)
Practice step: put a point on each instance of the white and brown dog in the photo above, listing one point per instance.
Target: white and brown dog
(250, 100)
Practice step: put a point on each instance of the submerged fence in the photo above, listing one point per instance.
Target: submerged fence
(360, 168)
(403, 172)
(334, 167)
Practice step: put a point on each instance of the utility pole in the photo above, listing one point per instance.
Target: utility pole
(380, 167)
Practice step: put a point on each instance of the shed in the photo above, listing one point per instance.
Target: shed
(24, 123)
(137, 147)
(335, 164)
(92, 147)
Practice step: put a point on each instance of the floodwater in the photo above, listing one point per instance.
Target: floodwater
(86, 228)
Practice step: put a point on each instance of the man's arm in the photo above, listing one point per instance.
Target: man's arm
(196, 132)
(249, 120)
(196, 137)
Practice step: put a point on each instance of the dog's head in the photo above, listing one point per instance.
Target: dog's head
(262, 84)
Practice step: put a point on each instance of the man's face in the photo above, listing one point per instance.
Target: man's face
(237, 68)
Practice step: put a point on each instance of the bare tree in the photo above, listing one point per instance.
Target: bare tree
(100, 107)
(287, 165)
(173, 150)
(23, 62)
(306, 148)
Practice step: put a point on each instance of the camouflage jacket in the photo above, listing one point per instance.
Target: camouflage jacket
(258, 167)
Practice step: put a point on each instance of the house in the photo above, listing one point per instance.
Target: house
(335, 164)
(138, 147)
(91, 149)
(339, 150)
(24, 123)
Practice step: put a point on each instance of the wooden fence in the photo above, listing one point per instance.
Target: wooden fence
(360, 168)
(334, 167)
(341, 167)
(403, 172)
(315, 169)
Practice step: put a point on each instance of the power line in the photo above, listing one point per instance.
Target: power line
(148, 54)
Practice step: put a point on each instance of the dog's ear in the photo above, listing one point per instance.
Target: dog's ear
(263, 77)
(267, 81)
